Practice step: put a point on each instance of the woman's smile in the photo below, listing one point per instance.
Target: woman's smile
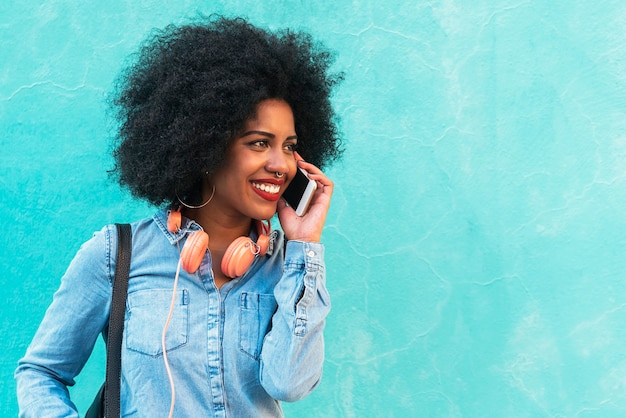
(268, 189)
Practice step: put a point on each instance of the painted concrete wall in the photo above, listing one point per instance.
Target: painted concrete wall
(477, 236)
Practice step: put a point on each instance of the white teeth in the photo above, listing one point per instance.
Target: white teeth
(268, 188)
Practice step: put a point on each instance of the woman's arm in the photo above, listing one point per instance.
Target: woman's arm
(293, 351)
(68, 332)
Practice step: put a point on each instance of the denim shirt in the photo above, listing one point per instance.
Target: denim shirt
(233, 352)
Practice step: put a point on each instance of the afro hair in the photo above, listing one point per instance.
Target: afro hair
(191, 89)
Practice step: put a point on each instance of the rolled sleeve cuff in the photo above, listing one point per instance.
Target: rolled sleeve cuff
(309, 254)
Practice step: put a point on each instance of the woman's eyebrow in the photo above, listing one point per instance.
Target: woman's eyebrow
(263, 133)
(267, 134)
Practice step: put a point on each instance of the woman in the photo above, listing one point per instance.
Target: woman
(210, 117)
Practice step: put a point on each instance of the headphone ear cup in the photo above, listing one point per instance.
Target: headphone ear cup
(264, 243)
(264, 239)
(194, 250)
(238, 257)
(174, 220)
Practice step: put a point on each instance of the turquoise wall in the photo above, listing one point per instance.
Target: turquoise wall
(476, 239)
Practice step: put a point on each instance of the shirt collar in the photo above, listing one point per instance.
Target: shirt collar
(160, 218)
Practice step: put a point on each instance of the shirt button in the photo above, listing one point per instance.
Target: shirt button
(311, 253)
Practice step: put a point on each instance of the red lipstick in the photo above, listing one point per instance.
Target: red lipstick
(268, 189)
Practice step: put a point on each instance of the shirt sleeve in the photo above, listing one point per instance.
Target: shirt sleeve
(293, 351)
(67, 334)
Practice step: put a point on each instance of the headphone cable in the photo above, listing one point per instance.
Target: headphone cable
(167, 323)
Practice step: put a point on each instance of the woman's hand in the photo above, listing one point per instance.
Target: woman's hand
(309, 226)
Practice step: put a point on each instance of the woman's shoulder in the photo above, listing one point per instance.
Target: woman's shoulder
(101, 247)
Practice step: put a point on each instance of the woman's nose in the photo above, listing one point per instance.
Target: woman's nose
(278, 162)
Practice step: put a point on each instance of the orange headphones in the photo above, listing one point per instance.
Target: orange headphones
(238, 257)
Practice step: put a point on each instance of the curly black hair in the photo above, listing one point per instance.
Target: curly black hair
(191, 90)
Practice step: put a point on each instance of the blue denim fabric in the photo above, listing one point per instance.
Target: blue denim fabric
(235, 352)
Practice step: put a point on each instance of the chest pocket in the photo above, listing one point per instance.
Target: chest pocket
(255, 315)
(146, 317)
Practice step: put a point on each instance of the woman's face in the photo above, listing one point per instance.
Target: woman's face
(247, 184)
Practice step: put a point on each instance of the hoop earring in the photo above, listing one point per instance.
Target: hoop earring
(187, 205)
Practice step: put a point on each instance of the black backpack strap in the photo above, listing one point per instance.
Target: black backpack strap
(116, 321)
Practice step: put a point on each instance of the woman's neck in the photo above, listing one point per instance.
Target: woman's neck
(222, 228)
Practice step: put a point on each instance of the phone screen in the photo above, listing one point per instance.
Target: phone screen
(300, 191)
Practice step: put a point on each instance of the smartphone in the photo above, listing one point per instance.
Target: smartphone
(300, 192)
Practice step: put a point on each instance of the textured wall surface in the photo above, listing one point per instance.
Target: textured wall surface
(477, 236)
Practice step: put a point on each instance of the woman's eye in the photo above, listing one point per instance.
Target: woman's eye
(291, 147)
(258, 144)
